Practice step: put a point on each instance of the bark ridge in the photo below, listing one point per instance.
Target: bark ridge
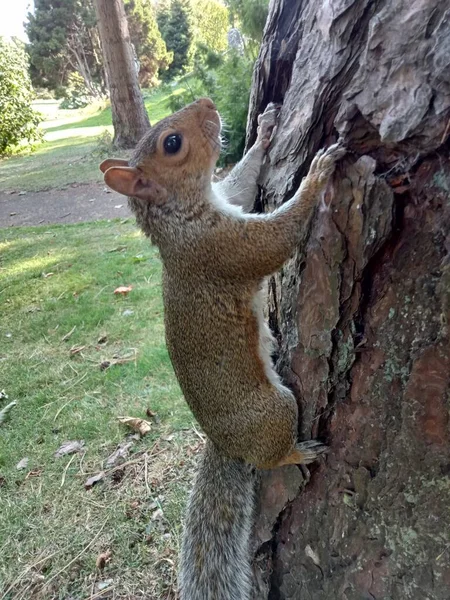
(362, 316)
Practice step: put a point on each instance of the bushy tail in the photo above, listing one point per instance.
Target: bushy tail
(215, 554)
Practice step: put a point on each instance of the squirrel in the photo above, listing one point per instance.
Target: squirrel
(215, 256)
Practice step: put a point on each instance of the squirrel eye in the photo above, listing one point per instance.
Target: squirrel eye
(172, 143)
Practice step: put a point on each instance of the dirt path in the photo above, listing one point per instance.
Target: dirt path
(74, 204)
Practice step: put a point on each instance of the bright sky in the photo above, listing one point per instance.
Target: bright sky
(13, 14)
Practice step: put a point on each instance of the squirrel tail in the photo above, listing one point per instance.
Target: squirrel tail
(215, 553)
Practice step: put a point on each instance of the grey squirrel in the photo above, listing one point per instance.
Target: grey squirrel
(215, 255)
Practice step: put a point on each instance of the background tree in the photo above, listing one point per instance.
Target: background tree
(250, 17)
(149, 46)
(211, 24)
(362, 317)
(18, 121)
(63, 39)
(175, 21)
(130, 119)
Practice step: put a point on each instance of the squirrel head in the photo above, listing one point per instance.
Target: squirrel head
(174, 160)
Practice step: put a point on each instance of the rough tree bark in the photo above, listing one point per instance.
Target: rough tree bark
(362, 316)
(129, 116)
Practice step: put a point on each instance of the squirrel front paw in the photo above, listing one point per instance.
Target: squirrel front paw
(324, 162)
(267, 122)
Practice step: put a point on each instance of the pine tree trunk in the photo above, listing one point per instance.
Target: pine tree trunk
(362, 316)
(129, 116)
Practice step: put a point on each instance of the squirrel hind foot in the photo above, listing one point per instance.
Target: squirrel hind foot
(304, 453)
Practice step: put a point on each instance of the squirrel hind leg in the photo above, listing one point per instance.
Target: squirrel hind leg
(304, 453)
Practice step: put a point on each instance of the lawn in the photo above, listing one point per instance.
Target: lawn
(75, 356)
(74, 144)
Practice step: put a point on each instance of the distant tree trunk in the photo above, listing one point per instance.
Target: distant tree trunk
(362, 317)
(129, 116)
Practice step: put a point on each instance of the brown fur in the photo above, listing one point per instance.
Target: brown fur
(214, 259)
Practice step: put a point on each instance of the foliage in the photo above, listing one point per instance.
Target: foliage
(18, 120)
(250, 17)
(63, 39)
(43, 94)
(232, 94)
(105, 146)
(175, 21)
(149, 45)
(76, 95)
(210, 24)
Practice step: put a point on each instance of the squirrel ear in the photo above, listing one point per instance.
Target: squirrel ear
(112, 162)
(131, 182)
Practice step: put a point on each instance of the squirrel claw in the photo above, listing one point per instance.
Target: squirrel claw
(267, 124)
(311, 450)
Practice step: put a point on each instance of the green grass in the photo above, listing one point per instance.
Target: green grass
(47, 518)
(71, 148)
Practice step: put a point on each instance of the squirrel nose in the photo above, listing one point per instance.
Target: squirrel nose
(207, 103)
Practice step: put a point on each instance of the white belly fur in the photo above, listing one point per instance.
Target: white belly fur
(266, 339)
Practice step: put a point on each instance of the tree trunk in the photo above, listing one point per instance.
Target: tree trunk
(362, 315)
(129, 116)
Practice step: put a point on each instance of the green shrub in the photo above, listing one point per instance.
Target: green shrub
(231, 92)
(104, 146)
(18, 120)
(43, 94)
(76, 94)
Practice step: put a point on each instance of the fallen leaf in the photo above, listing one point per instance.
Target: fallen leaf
(102, 559)
(34, 473)
(76, 349)
(45, 275)
(117, 249)
(22, 464)
(123, 289)
(89, 483)
(102, 339)
(150, 413)
(103, 585)
(69, 447)
(3, 395)
(136, 424)
(127, 313)
(119, 361)
(122, 451)
(157, 515)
